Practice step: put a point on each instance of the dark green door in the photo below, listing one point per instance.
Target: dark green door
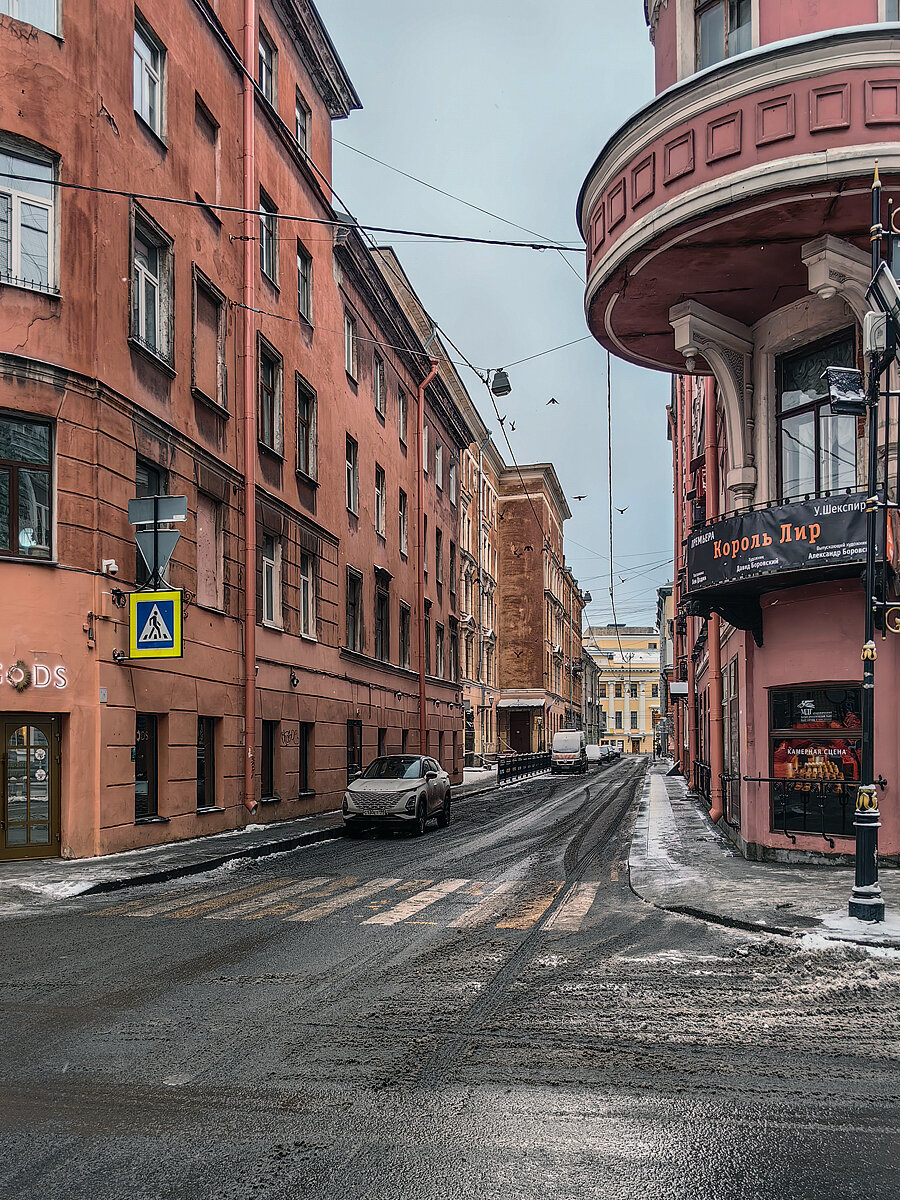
(29, 787)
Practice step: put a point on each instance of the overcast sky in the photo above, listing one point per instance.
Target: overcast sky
(506, 104)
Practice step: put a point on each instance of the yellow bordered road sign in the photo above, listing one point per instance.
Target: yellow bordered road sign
(154, 624)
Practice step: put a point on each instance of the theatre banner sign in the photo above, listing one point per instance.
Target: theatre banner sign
(792, 537)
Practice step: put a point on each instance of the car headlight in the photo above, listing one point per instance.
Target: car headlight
(411, 802)
(346, 805)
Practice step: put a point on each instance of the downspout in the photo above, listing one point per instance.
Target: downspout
(249, 330)
(690, 626)
(678, 485)
(480, 600)
(716, 723)
(420, 515)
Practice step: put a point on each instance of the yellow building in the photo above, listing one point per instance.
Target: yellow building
(628, 659)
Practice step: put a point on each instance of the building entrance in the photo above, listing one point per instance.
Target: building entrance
(520, 732)
(29, 786)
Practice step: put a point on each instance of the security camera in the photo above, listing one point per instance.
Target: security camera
(109, 566)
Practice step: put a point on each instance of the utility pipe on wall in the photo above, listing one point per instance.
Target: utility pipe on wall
(687, 397)
(678, 473)
(249, 332)
(420, 517)
(716, 722)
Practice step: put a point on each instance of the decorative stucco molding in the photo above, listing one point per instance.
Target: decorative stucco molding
(837, 268)
(726, 346)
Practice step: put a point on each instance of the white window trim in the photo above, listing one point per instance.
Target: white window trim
(424, 449)
(145, 31)
(266, 38)
(17, 198)
(452, 483)
(439, 466)
(302, 385)
(301, 109)
(267, 349)
(308, 627)
(403, 516)
(268, 212)
(380, 500)
(271, 571)
(378, 386)
(402, 414)
(147, 229)
(14, 13)
(304, 256)
(351, 358)
(352, 478)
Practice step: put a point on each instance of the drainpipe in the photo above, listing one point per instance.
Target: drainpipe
(249, 330)
(690, 626)
(680, 638)
(480, 601)
(716, 722)
(420, 517)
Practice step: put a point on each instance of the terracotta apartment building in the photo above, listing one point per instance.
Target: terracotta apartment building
(183, 312)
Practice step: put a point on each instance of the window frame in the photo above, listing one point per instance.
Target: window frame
(301, 109)
(307, 430)
(304, 283)
(145, 31)
(438, 556)
(151, 757)
(31, 161)
(268, 237)
(12, 467)
(206, 792)
(380, 500)
(202, 281)
(438, 466)
(265, 351)
(351, 348)
(267, 71)
(145, 229)
(218, 532)
(352, 475)
(14, 15)
(354, 631)
(308, 595)
(272, 586)
(402, 414)
(268, 759)
(701, 7)
(439, 663)
(382, 623)
(405, 636)
(452, 483)
(403, 522)
(379, 394)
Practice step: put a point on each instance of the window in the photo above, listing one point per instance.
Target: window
(425, 545)
(402, 414)
(618, 720)
(817, 449)
(205, 163)
(427, 644)
(26, 221)
(151, 289)
(354, 611)
(267, 761)
(304, 282)
(307, 735)
(268, 237)
(618, 691)
(815, 748)
(149, 480)
(425, 449)
(452, 568)
(354, 749)
(350, 345)
(210, 589)
(146, 752)
(149, 62)
(723, 30)
(380, 500)
(633, 691)
(306, 429)
(404, 635)
(39, 13)
(634, 720)
(270, 431)
(438, 557)
(271, 581)
(307, 594)
(452, 483)
(378, 386)
(654, 691)
(268, 66)
(439, 651)
(404, 523)
(25, 488)
(352, 475)
(206, 762)
(301, 122)
(382, 624)
(208, 342)
(891, 10)
(439, 466)
(454, 655)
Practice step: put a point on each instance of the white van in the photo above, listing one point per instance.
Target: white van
(567, 752)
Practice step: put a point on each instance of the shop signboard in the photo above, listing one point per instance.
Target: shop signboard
(791, 537)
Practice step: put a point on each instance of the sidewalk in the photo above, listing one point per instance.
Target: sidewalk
(24, 883)
(679, 861)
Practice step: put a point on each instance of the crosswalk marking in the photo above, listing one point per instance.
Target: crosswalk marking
(527, 916)
(416, 904)
(514, 904)
(329, 906)
(493, 903)
(573, 910)
(259, 906)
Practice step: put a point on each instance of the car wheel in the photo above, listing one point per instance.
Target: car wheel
(421, 819)
(443, 818)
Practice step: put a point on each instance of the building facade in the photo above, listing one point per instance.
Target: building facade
(665, 627)
(736, 207)
(242, 348)
(627, 657)
(540, 613)
(593, 720)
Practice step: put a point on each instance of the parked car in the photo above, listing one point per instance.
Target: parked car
(400, 790)
(615, 751)
(606, 754)
(594, 754)
(567, 752)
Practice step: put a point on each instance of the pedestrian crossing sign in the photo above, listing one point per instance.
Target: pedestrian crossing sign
(154, 626)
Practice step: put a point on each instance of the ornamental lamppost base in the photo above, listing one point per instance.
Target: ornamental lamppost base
(866, 903)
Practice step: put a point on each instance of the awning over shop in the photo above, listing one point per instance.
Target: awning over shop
(518, 703)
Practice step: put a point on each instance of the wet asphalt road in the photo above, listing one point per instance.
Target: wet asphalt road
(487, 1011)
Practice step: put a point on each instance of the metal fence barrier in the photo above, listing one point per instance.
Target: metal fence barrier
(511, 767)
(824, 807)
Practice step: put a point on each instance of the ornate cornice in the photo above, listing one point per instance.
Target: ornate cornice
(310, 36)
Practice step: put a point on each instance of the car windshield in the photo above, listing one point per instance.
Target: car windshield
(397, 766)
(566, 742)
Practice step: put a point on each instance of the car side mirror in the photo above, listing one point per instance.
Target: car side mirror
(429, 775)
(354, 775)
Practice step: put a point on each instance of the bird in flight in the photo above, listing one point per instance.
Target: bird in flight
(622, 510)
(553, 400)
(501, 419)
(512, 427)
(580, 497)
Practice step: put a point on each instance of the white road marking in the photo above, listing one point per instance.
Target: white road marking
(489, 906)
(260, 904)
(415, 904)
(574, 908)
(140, 908)
(344, 901)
